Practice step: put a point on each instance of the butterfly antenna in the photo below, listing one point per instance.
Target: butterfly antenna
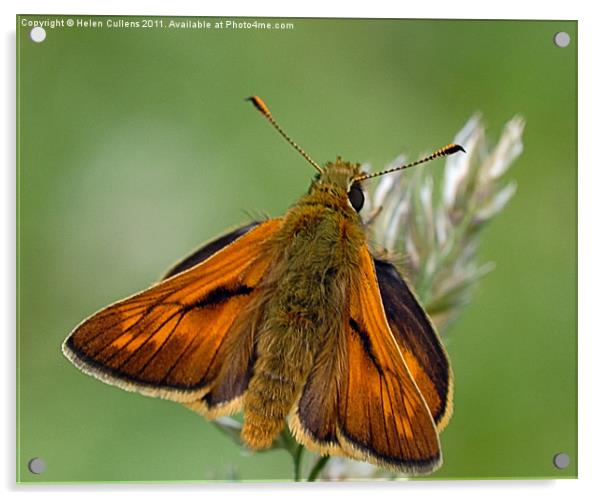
(264, 110)
(450, 149)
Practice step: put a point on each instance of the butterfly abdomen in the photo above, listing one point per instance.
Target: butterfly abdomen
(304, 305)
(279, 372)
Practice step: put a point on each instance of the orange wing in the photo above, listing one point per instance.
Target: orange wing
(361, 401)
(418, 342)
(173, 339)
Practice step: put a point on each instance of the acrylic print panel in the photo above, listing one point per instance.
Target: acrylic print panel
(135, 146)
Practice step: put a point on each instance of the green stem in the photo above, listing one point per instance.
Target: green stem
(297, 460)
(317, 468)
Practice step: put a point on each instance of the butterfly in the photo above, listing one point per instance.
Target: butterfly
(293, 321)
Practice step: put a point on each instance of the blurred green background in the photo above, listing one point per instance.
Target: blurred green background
(135, 146)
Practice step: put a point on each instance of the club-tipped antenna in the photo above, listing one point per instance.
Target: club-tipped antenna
(264, 110)
(450, 149)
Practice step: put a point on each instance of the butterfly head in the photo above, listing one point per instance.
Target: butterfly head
(339, 177)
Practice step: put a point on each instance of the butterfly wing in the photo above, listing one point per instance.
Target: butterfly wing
(208, 250)
(361, 400)
(173, 339)
(418, 342)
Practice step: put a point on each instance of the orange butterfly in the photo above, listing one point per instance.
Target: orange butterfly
(290, 319)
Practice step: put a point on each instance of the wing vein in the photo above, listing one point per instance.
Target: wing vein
(160, 347)
(150, 335)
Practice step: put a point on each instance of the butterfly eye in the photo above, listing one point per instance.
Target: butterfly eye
(356, 197)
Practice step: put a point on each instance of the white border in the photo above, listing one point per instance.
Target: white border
(590, 248)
